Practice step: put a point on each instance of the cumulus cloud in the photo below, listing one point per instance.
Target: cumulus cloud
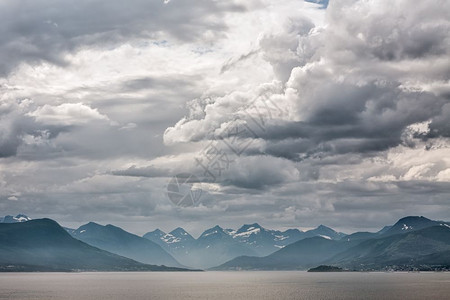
(351, 88)
(66, 114)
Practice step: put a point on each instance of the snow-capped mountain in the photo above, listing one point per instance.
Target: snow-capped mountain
(156, 236)
(217, 244)
(178, 235)
(176, 239)
(214, 245)
(266, 241)
(178, 242)
(17, 219)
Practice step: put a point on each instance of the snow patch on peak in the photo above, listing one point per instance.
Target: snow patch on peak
(17, 219)
(325, 236)
(250, 231)
(406, 227)
(22, 218)
(210, 233)
(230, 232)
(170, 239)
(280, 237)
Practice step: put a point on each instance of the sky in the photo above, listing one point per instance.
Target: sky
(286, 113)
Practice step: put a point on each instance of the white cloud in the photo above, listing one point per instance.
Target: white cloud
(67, 114)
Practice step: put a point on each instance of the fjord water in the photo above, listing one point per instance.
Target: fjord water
(225, 285)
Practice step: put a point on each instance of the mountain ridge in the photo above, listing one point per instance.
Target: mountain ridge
(43, 245)
(116, 240)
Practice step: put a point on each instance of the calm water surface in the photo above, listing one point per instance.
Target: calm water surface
(225, 285)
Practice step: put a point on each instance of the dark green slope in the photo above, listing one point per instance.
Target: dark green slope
(121, 242)
(426, 246)
(360, 236)
(412, 223)
(297, 256)
(43, 245)
(404, 225)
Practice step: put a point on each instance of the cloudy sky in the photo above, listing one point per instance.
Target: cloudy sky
(288, 113)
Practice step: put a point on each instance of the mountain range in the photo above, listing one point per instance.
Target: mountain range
(218, 245)
(412, 242)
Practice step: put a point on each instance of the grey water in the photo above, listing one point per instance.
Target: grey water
(225, 285)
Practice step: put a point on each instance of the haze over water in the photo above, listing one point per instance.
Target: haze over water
(225, 285)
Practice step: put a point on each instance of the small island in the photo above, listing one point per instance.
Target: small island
(324, 268)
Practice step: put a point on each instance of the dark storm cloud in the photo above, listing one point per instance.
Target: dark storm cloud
(407, 32)
(351, 88)
(44, 30)
(440, 125)
(15, 124)
(361, 118)
(357, 119)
